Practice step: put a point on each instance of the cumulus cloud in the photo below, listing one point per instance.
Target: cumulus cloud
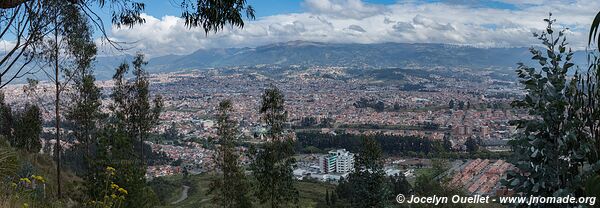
(355, 21)
(429, 23)
(402, 27)
(344, 8)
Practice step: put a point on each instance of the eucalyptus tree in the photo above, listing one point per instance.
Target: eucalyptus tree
(555, 150)
(132, 115)
(25, 23)
(133, 111)
(231, 187)
(70, 49)
(273, 163)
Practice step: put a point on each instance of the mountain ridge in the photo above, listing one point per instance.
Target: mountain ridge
(354, 55)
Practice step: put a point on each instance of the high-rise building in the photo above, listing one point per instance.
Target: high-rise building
(337, 161)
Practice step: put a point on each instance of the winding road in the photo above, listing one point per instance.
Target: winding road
(184, 195)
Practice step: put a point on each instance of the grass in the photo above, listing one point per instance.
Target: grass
(312, 194)
(419, 172)
(41, 165)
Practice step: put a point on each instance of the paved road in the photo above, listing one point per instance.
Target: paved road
(184, 195)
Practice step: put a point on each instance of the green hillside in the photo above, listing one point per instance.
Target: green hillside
(311, 193)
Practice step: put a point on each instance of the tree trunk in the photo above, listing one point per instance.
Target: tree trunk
(57, 110)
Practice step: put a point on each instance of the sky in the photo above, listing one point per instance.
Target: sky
(485, 23)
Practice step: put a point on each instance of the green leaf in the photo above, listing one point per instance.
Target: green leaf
(594, 30)
(514, 182)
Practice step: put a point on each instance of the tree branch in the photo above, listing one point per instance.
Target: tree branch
(8, 4)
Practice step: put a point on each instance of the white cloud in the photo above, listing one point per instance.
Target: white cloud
(354, 21)
(344, 8)
(6, 45)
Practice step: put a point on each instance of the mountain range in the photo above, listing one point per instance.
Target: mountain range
(381, 55)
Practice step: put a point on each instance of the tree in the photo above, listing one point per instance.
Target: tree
(84, 113)
(27, 129)
(30, 23)
(6, 118)
(399, 184)
(472, 144)
(343, 189)
(84, 116)
(133, 112)
(327, 197)
(133, 116)
(451, 104)
(272, 165)
(447, 143)
(368, 182)
(230, 189)
(39, 25)
(171, 133)
(333, 198)
(116, 149)
(429, 184)
(397, 107)
(552, 148)
(461, 105)
(65, 51)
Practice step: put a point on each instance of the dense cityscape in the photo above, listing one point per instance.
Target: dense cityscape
(308, 103)
(191, 98)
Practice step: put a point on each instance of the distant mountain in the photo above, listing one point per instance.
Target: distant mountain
(350, 55)
(405, 55)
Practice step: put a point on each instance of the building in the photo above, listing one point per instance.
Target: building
(337, 161)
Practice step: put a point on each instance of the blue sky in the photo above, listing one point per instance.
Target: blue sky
(479, 23)
(264, 7)
(274, 7)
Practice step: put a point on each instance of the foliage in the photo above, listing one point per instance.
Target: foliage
(27, 129)
(392, 145)
(473, 144)
(84, 114)
(592, 186)
(594, 36)
(428, 184)
(368, 182)
(230, 188)
(399, 184)
(116, 149)
(133, 112)
(377, 105)
(554, 148)
(214, 15)
(29, 22)
(272, 165)
(132, 118)
(9, 161)
(23, 128)
(164, 189)
(25, 192)
(114, 196)
(6, 118)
